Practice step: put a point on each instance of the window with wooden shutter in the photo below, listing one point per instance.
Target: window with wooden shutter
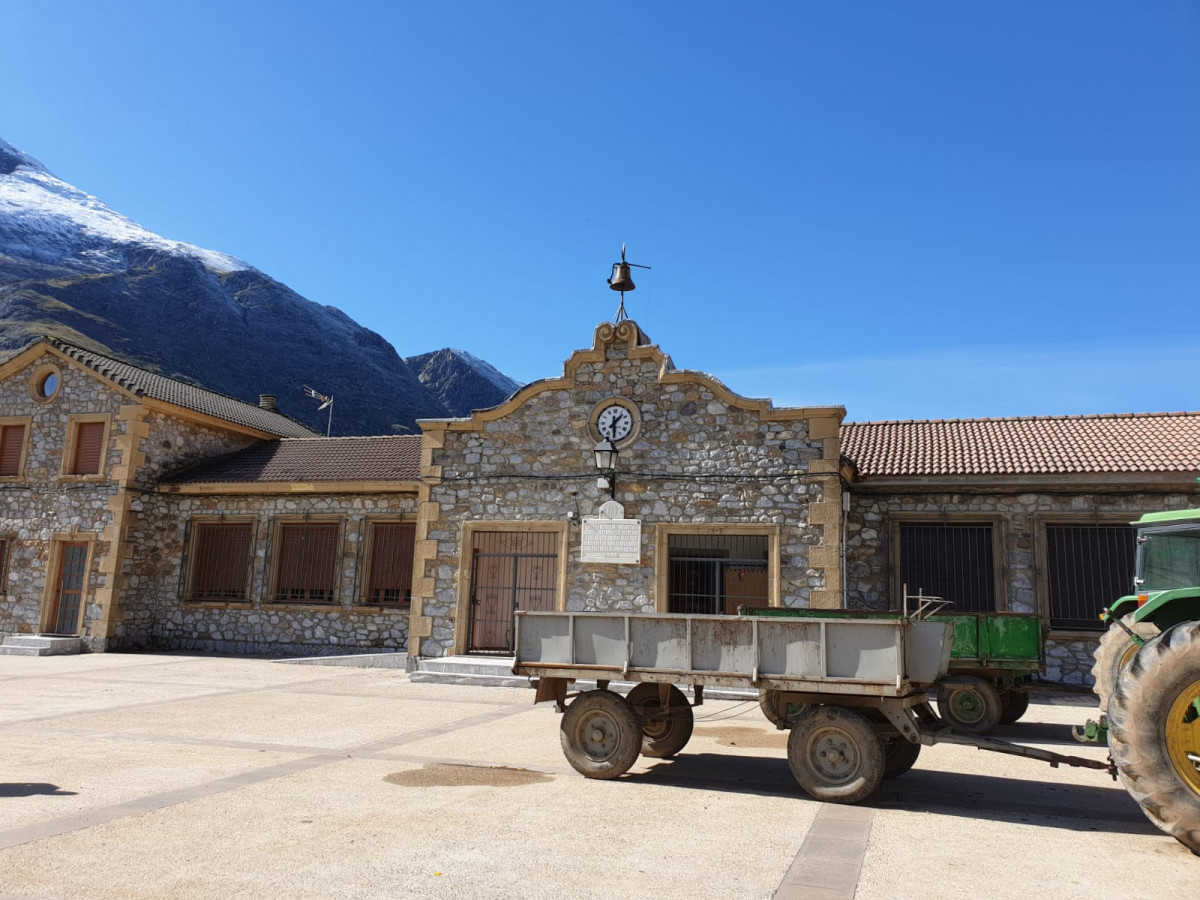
(89, 448)
(220, 563)
(306, 569)
(390, 577)
(12, 448)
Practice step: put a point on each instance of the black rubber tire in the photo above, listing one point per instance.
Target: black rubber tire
(781, 715)
(835, 755)
(663, 735)
(1162, 674)
(1114, 652)
(899, 755)
(1013, 705)
(970, 704)
(600, 735)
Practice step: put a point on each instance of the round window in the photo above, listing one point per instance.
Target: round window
(49, 385)
(45, 382)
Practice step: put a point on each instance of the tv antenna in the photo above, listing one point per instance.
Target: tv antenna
(326, 403)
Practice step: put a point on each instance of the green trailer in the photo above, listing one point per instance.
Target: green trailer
(993, 659)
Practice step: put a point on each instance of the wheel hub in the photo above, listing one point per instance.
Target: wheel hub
(834, 755)
(600, 736)
(1183, 735)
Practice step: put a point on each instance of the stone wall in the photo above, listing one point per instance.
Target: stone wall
(700, 456)
(1021, 517)
(154, 615)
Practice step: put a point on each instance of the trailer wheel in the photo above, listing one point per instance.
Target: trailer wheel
(1013, 705)
(664, 732)
(969, 704)
(778, 711)
(835, 755)
(1114, 653)
(1154, 731)
(600, 735)
(899, 755)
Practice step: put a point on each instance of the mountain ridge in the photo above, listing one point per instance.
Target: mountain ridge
(72, 268)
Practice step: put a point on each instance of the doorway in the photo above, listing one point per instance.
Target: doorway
(510, 571)
(68, 592)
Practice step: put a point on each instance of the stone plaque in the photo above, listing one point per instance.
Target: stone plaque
(611, 541)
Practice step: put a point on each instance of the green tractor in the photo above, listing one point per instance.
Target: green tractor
(1147, 675)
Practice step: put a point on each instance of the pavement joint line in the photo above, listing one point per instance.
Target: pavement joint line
(41, 676)
(829, 862)
(153, 802)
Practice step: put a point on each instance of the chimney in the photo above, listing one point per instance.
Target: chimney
(267, 401)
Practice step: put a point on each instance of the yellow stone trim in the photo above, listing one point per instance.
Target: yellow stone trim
(294, 487)
(424, 551)
(824, 513)
(70, 439)
(606, 336)
(825, 599)
(54, 574)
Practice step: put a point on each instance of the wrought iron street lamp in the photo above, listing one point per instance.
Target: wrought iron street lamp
(606, 461)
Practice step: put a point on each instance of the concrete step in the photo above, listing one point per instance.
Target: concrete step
(496, 671)
(41, 645)
(391, 660)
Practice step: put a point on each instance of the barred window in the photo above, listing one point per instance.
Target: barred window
(89, 448)
(390, 577)
(954, 561)
(717, 573)
(12, 448)
(220, 563)
(1087, 568)
(306, 569)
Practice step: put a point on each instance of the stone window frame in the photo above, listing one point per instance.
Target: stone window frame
(999, 525)
(662, 570)
(185, 583)
(467, 564)
(38, 376)
(54, 575)
(27, 422)
(273, 560)
(1041, 563)
(365, 562)
(68, 455)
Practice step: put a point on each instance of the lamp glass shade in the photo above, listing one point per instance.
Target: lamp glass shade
(606, 456)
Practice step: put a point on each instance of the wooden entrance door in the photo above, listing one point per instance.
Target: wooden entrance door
(509, 571)
(68, 595)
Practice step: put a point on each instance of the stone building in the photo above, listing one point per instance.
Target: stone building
(140, 512)
(1027, 515)
(83, 440)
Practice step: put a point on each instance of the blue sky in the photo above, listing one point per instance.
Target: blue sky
(912, 209)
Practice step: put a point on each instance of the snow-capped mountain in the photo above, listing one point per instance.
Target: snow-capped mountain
(72, 267)
(45, 219)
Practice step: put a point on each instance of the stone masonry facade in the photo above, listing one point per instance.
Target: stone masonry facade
(1021, 517)
(700, 456)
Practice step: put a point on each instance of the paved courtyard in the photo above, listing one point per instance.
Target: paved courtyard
(155, 775)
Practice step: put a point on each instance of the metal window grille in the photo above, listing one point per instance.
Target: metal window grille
(1087, 568)
(220, 561)
(951, 561)
(89, 448)
(717, 573)
(12, 442)
(510, 570)
(390, 578)
(307, 568)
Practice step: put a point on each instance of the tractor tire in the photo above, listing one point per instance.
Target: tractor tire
(835, 754)
(899, 754)
(1113, 654)
(1154, 731)
(969, 704)
(663, 733)
(778, 712)
(600, 735)
(1013, 705)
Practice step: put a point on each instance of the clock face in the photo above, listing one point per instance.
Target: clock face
(615, 423)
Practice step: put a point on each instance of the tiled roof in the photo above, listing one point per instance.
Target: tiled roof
(386, 458)
(158, 387)
(1127, 442)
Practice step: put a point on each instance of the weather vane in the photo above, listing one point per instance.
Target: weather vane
(620, 280)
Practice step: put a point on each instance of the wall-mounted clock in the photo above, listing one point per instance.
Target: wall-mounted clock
(616, 420)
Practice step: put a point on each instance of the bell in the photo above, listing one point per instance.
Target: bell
(621, 280)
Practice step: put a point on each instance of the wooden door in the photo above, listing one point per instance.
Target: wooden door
(68, 595)
(509, 571)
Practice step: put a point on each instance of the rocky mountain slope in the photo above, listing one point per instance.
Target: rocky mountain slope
(74, 268)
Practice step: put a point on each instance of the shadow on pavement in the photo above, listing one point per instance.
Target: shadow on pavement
(1076, 807)
(32, 788)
